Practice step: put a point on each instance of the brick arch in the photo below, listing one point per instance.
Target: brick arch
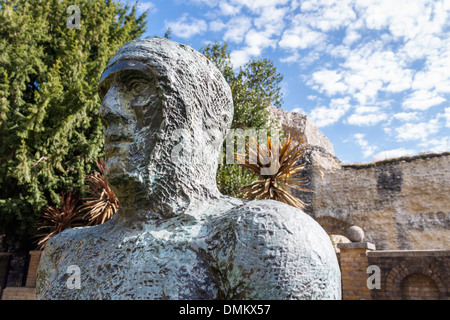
(404, 269)
(333, 225)
(417, 286)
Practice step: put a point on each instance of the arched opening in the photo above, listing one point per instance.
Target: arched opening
(333, 225)
(417, 286)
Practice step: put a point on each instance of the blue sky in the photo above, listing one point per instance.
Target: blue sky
(373, 75)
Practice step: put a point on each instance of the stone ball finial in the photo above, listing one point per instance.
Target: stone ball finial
(355, 234)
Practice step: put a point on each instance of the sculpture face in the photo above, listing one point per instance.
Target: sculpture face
(131, 113)
(166, 110)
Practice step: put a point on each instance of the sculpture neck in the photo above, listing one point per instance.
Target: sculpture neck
(175, 177)
(166, 198)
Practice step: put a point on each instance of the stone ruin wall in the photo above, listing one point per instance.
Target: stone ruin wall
(401, 204)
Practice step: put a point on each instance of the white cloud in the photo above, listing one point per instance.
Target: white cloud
(387, 130)
(437, 145)
(217, 25)
(147, 5)
(261, 8)
(237, 28)
(301, 37)
(256, 42)
(372, 68)
(294, 57)
(389, 59)
(186, 26)
(239, 57)
(298, 110)
(328, 81)
(366, 116)
(421, 47)
(408, 31)
(381, 65)
(228, 9)
(303, 61)
(422, 100)
(393, 153)
(406, 116)
(417, 131)
(434, 75)
(384, 64)
(323, 116)
(367, 149)
(328, 15)
(256, 6)
(350, 37)
(209, 3)
(404, 18)
(447, 117)
(272, 19)
(256, 32)
(365, 72)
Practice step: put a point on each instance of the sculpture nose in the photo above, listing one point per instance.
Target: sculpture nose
(116, 121)
(110, 109)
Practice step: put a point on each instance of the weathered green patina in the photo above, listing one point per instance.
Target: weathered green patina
(166, 111)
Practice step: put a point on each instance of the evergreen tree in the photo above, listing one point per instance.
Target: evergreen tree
(254, 87)
(50, 132)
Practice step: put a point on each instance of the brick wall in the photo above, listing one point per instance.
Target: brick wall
(19, 293)
(28, 292)
(17, 268)
(403, 274)
(35, 256)
(419, 287)
(354, 264)
(4, 266)
(412, 274)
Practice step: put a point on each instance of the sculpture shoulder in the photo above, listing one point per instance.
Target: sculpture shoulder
(61, 252)
(59, 243)
(69, 238)
(266, 220)
(270, 250)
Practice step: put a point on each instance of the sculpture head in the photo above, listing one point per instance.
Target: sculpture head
(166, 110)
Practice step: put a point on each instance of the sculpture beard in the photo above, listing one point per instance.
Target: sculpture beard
(163, 126)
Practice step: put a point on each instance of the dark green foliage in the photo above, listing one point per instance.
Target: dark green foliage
(168, 34)
(50, 133)
(254, 87)
(231, 178)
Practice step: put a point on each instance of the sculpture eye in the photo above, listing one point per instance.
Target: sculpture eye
(137, 87)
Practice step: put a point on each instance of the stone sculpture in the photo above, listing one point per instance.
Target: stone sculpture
(166, 111)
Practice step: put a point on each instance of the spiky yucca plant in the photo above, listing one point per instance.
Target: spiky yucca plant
(103, 203)
(56, 220)
(276, 168)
